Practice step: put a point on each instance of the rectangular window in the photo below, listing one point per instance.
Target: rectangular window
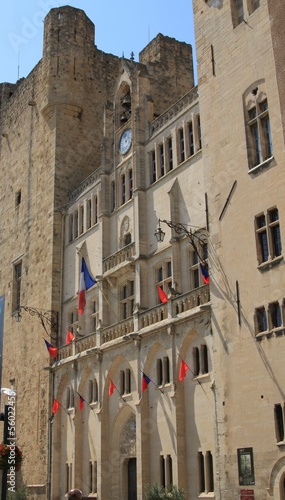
(17, 286)
(194, 268)
(71, 232)
(95, 209)
(204, 360)
(162, 471)
(164, 276)
(113, 196)
(275, 315)
(68, 469)
(261, 319)
(81, 219)
(169, 472)
(122, 381)
(76, 224)
(191, 138)
(90, 477)
(94, 317)
(153, 166)
(130, 183)
(88, 214)
(279, 422)
(209, 472)
(159, 369)
(123, 189)
(166, 370)
(196, 361)
(161, 159)
(128, 381)
(237, 12)
(268, 236)
(201, 472)
(260, 139)
(181, 144)
(168, 269)
(275, 237)
(199, 132)
(127, 299)
(262, 240)
(91, 391)
(170, 153)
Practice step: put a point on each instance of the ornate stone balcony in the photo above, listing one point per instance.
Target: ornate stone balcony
(179, 305)
(123, 256)
(175, 307)
(118, 330)
(77, 346)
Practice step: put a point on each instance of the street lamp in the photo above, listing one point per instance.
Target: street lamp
(47, 318)
(197, 237)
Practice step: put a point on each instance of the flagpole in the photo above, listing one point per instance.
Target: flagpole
(117, 389)
(152, 382)
(195, 378)
(84, 400)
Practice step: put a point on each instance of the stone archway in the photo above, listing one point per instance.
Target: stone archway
(277, 480)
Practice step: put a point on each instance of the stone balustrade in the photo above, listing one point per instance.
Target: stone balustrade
(122, 256)
(172, 309)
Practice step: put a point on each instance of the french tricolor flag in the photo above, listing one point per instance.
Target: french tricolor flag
(86, 281)
(205, 275)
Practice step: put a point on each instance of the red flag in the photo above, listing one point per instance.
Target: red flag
(69, 337)
(182, 370)
(81, 402)
(162, 295)
(112, 387)
(55, 406)
(52, 350)
(145, 381)
(205, 275)
(86, 281)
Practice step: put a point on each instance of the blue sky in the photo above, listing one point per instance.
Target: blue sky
(120, 27)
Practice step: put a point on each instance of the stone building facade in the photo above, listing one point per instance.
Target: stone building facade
(100, 154)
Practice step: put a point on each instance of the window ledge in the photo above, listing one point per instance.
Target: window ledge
(261, 335)
(281, 445)
(270, 263)
(261, 165)
(207, 495)
(125, 397)
(201, 377)
(275, 332)
(93, 405)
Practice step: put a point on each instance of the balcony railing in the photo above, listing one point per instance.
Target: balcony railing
(78, 346)
(118, 330)
(172, 309)
(122, 256)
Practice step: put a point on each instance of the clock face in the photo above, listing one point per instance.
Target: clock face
(125, 141)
